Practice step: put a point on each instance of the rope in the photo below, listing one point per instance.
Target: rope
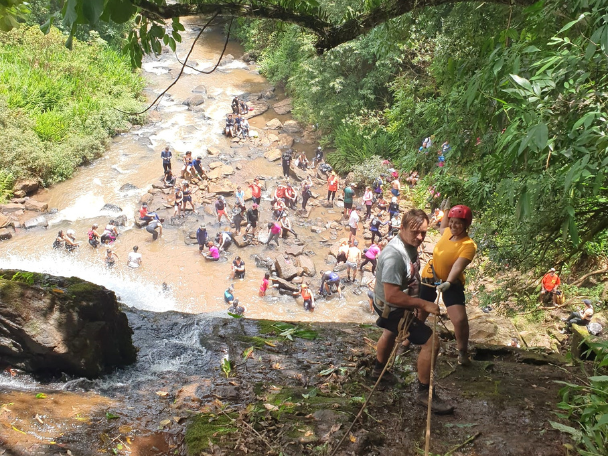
(430, 402)
(404, 326)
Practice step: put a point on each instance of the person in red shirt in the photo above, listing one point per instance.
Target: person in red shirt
(256, 191)
(550, 285)
(332, 187)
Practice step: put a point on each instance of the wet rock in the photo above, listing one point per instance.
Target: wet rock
(269, 94)
(283, 107)
(291, 126)
(112, 207)
(307, 265)
(189, 241)
(213, 151)
(340, 267)
(228, 58)
(26, 185)
(4, 221)
(273, 155)
(195, 100)
(317, 229)
(120, 220)
(5, 234)
(367, 278)
(140, 223)
(11, 208)
(294, 250)
(286, 268)
(71, 326)
(35, 222)
(215, 164)
(272, 138)
(127, 187)
(154, 116)
(248, 57)
(201, 89)
(285, 285)
(274, 124)
(298, 174)
(263, 262)
(19, 193)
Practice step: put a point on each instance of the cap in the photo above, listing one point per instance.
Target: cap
(254, 205)
(394, 199)
(304, 285)
(203, 226)
(355, 242)
(70, 232)
(587, 302)
(552, 270)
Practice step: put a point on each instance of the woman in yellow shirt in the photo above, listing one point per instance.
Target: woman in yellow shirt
(452, 254)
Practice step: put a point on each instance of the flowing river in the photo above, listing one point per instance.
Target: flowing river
(194, 285)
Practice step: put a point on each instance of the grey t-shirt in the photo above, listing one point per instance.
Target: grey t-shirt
(398, 264)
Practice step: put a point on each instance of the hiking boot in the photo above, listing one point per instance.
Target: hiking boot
(464, 360)
(387, 379)
(438, 405)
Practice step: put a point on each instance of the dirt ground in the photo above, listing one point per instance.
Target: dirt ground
(245, 388)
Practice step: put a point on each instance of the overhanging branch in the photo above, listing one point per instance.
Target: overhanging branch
(329, 34)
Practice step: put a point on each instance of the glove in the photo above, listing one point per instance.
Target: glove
(443, 287)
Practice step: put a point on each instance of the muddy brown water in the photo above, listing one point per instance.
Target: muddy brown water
(134, 157)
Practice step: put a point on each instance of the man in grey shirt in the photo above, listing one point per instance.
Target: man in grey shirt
(396, 295)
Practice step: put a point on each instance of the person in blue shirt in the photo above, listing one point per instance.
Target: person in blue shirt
(166, 156)
(229, 295)
(328, 279)
(197, 165)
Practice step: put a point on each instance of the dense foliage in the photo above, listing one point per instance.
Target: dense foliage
(518, 93)
(58, 107)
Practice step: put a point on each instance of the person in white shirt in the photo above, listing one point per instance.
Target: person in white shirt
(353, 223)
(134, 258)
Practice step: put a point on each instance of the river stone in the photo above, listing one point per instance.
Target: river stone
(36, 222)
(11, 207)
(228, 58)
(200, 89)
(4, 221)
(294, 250)
(222, 187)
(194, 100)
(286, 268)
(283, 107)
(274, 124)
(317, 229)
(120, 220)
(272, 138)
(33, 205)
(307, 265)
(268, 94)
(215, 164)
(146, 198)
(62, 325)
(285, 141)
(5, 234)
(273, 155)
(127, 187)
(291, 126)
(26, 185)
(213, 151)
(284, 284)
(111, 208)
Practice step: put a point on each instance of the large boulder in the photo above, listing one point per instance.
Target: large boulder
(4, 221)
(286, 268)
(307, 265)
(194, 100)
(26, 186)
(291, 126)
(285, 141)
(36, 222)
(273, 154)
(33, 205)
(15, 207)
(5, 234)
(222, 187)
(200, 89)
(61, 325)
(274, 124)
(283, 107)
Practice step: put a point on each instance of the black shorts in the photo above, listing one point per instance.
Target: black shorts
(348, 205)
(256, 200)
(419, 332)
(353, 231)
(187, 199)
(454, 296)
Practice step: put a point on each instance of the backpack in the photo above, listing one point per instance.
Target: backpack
(306, 293)
(377, 184)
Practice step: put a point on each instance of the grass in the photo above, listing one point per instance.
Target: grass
(58, 107)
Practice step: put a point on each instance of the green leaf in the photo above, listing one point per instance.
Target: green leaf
(46, 27)
(40, 396)
(567, 429)
(541, 135)
(573, 230)
(92, 9)
(522, 82)
(111, 416)
(312, 393)
(70, 13)
(599, 378)
(247, 352)
(570, 24)
(325, 372)
(120, 11)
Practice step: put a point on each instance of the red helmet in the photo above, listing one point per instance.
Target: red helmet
(462, 212)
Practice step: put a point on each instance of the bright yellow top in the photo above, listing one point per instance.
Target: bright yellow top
(446, 253)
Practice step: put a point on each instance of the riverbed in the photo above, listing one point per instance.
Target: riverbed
(174, 276)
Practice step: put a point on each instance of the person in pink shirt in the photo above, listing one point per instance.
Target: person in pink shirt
(214, 253)
(274, 230)
(265, 284)
(371, 255)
